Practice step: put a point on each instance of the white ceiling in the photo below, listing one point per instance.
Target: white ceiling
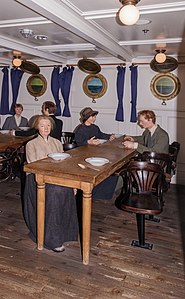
(89, 29)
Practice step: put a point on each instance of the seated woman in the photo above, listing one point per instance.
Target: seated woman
(16, 121)
(89, 133)
(61, 224)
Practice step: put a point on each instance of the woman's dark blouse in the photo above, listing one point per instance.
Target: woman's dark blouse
(83, 133)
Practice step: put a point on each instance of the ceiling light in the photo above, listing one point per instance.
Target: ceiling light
(41, 37)
(128, 13)
(160, 57)
(26, 32)
(16, 62)
(141, 22)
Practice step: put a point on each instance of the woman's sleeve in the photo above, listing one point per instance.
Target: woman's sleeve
(80, 137)
(31, 154)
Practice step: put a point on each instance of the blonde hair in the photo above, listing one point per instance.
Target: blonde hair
(38, 118)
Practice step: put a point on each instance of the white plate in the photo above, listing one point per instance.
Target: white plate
(118, 135)
(96, 161)
(59, 156)
(24, 128)
(4, 131)
(103, 140)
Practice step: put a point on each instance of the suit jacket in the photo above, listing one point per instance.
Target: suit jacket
(10, 123)
(160, 141)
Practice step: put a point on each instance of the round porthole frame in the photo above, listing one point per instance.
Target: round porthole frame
(29, 85)
(162, 81)
(89, 91)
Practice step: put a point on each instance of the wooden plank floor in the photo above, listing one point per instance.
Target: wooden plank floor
(116, 269)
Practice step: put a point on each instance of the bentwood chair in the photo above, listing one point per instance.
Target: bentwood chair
(164, 160)
(138, 196)
(68, 140)
(10, 163)
(174, 148)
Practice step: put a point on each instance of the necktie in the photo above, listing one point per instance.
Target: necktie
(149, 140)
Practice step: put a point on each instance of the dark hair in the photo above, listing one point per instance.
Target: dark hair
(50, 106)
(148, 114)
(18, 106)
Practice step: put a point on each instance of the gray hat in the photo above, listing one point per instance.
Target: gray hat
(86, 112)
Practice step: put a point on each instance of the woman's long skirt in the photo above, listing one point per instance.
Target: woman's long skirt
(61, 223)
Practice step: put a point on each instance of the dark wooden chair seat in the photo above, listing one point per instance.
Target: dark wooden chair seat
(68, 140)
(144, 203)
(138, 195)
(69, 146)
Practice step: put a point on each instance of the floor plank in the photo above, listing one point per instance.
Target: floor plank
(116, 269)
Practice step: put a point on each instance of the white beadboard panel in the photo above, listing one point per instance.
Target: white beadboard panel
(171, 117)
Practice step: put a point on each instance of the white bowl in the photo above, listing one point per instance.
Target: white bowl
(4, 131)
(59, 156)
(96, 161)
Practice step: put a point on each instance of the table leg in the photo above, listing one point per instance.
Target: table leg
(40, 211)
(86, 224)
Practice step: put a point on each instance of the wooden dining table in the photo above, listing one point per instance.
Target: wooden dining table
(68, 173)
(9, 141)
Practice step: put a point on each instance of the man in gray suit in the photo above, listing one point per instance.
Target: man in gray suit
(153, 139)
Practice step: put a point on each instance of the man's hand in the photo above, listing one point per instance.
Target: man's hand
(129, 138)
(128, 144)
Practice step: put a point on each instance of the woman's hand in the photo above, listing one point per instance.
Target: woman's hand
(93, 141)
(112, 137)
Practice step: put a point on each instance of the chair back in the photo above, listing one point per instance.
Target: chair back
(143, 176)
(174, 148)
(68, 141)
(67, 137)
(158, 158)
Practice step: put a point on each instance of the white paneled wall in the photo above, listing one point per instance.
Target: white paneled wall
(171, 116)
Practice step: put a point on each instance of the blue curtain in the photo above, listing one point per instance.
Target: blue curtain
(65, 79)
(16, 76)
(120, 92)
(134, 75)
(55, 88)
(4, 107)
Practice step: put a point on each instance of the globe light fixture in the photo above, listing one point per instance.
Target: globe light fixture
(128, 13)
(160, 57)
(26, 32)
(16, 62)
